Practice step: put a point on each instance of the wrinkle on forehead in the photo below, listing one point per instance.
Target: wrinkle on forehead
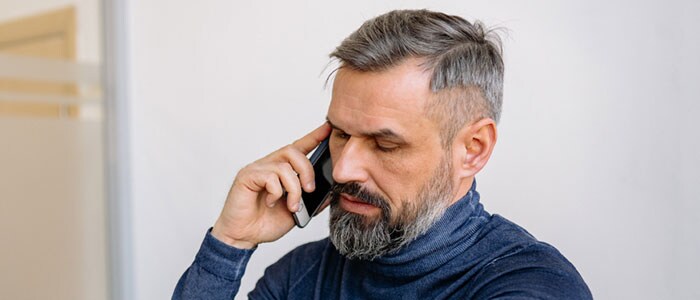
(392, 98)
(356, 107)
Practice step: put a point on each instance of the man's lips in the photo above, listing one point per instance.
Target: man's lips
(355, 205)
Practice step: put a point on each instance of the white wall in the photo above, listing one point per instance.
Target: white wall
(597, 152)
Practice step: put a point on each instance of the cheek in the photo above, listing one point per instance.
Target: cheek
(392, 164)
(401, 176)
(410, 163)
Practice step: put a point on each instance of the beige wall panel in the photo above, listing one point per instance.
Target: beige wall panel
(47, 35)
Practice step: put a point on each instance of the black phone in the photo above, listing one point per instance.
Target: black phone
(323, 172)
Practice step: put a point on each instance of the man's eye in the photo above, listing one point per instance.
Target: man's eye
(386, 148)
(342, 135)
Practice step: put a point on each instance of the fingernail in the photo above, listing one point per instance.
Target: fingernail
(271, 204)
(310, 186)
(296, 207)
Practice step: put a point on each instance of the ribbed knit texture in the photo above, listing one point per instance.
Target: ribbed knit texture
(467, 254)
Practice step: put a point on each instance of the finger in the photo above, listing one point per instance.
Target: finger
(273, 188)
(312, 139)
(302, 166)
(291, 184)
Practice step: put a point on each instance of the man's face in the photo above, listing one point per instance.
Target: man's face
(388, 161)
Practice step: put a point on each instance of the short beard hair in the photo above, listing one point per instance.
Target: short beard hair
(359, 237)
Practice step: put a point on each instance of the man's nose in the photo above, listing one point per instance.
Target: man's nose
(350, 165)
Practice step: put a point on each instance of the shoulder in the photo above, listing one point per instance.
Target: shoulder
(526, 267)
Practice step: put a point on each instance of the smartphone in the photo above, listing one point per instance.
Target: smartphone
(323, 172)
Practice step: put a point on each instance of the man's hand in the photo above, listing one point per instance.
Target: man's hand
(256, 209)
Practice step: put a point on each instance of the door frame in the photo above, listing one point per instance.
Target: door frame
(117, 158)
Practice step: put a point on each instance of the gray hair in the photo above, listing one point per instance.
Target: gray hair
(465, 59)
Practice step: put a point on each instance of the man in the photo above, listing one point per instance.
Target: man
(412, 120)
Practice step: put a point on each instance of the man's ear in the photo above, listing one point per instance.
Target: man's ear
(472, 147)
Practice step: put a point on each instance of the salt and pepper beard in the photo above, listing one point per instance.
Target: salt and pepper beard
(366, 238)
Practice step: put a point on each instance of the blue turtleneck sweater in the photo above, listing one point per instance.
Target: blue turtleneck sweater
(467, 254)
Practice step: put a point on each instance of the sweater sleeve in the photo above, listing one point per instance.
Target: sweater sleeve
(215, 273)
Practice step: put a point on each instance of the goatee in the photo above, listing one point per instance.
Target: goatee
(365, 238)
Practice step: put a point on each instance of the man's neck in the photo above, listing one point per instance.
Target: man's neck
(463, 186)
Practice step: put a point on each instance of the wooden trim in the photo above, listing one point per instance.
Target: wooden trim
(60, 23)
(57, 22)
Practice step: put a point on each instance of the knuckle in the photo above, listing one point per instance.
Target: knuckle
(292, 150)
(277, 193)
(275, 189)
(284, 167)
(270, 178)
(253, 168)
(243, 171)
(286, 150)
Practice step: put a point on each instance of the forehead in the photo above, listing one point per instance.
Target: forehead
(393, 98)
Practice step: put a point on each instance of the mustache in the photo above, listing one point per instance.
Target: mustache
(356, 190)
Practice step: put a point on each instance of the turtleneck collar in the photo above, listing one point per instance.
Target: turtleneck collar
(451, 235)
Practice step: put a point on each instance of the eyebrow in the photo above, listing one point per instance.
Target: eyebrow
(384, 133)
